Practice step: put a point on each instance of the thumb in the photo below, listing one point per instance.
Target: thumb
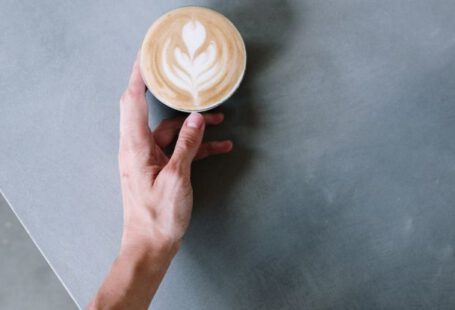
(189, 140)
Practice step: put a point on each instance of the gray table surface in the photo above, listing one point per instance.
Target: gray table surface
(340, 191)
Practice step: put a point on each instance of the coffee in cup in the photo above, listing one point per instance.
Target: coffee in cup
(192, 59)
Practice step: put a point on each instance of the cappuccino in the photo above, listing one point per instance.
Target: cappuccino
(192, 59)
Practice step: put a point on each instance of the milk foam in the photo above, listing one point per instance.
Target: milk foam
(192, 58)
(192, 72)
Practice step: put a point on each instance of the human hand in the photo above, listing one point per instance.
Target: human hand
(156, 189)
(157, 196)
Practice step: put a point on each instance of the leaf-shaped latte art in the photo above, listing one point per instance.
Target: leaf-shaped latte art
(193, 34)
(192, 59)
(192, 70)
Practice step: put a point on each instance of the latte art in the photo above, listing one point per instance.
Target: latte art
(192, 59)
(191, 72)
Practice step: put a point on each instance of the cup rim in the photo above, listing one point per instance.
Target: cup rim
(220, 101)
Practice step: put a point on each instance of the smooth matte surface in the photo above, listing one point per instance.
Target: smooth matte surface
(27, 281)
(340, 191)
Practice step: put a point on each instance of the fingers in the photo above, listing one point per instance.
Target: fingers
(168, 129)
(188, 142)
(133, 109)
(136, 83)
(214, 148)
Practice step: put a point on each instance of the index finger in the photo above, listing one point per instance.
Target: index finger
(133, 109)
(136, 83)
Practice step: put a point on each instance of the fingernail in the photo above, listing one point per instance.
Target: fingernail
(194, 120)
(229, 145)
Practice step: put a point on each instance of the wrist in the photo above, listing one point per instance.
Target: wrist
(146, 260)
(146, 249)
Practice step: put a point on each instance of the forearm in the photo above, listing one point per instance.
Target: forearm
(134, 278)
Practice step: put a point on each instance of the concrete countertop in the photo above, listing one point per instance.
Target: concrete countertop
(340, 191)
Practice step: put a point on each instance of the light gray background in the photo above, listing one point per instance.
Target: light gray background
(27, 282)
(339, 193)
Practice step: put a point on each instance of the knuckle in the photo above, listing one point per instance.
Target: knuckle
(127, 96)
(187, 141)
(136, 145)
(135, 87)
(133, 150)
(130, 165)
(134, 141)
(124, 173)
(124, 169)
(123, 161)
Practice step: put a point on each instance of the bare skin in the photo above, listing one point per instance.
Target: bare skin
(157, 196)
